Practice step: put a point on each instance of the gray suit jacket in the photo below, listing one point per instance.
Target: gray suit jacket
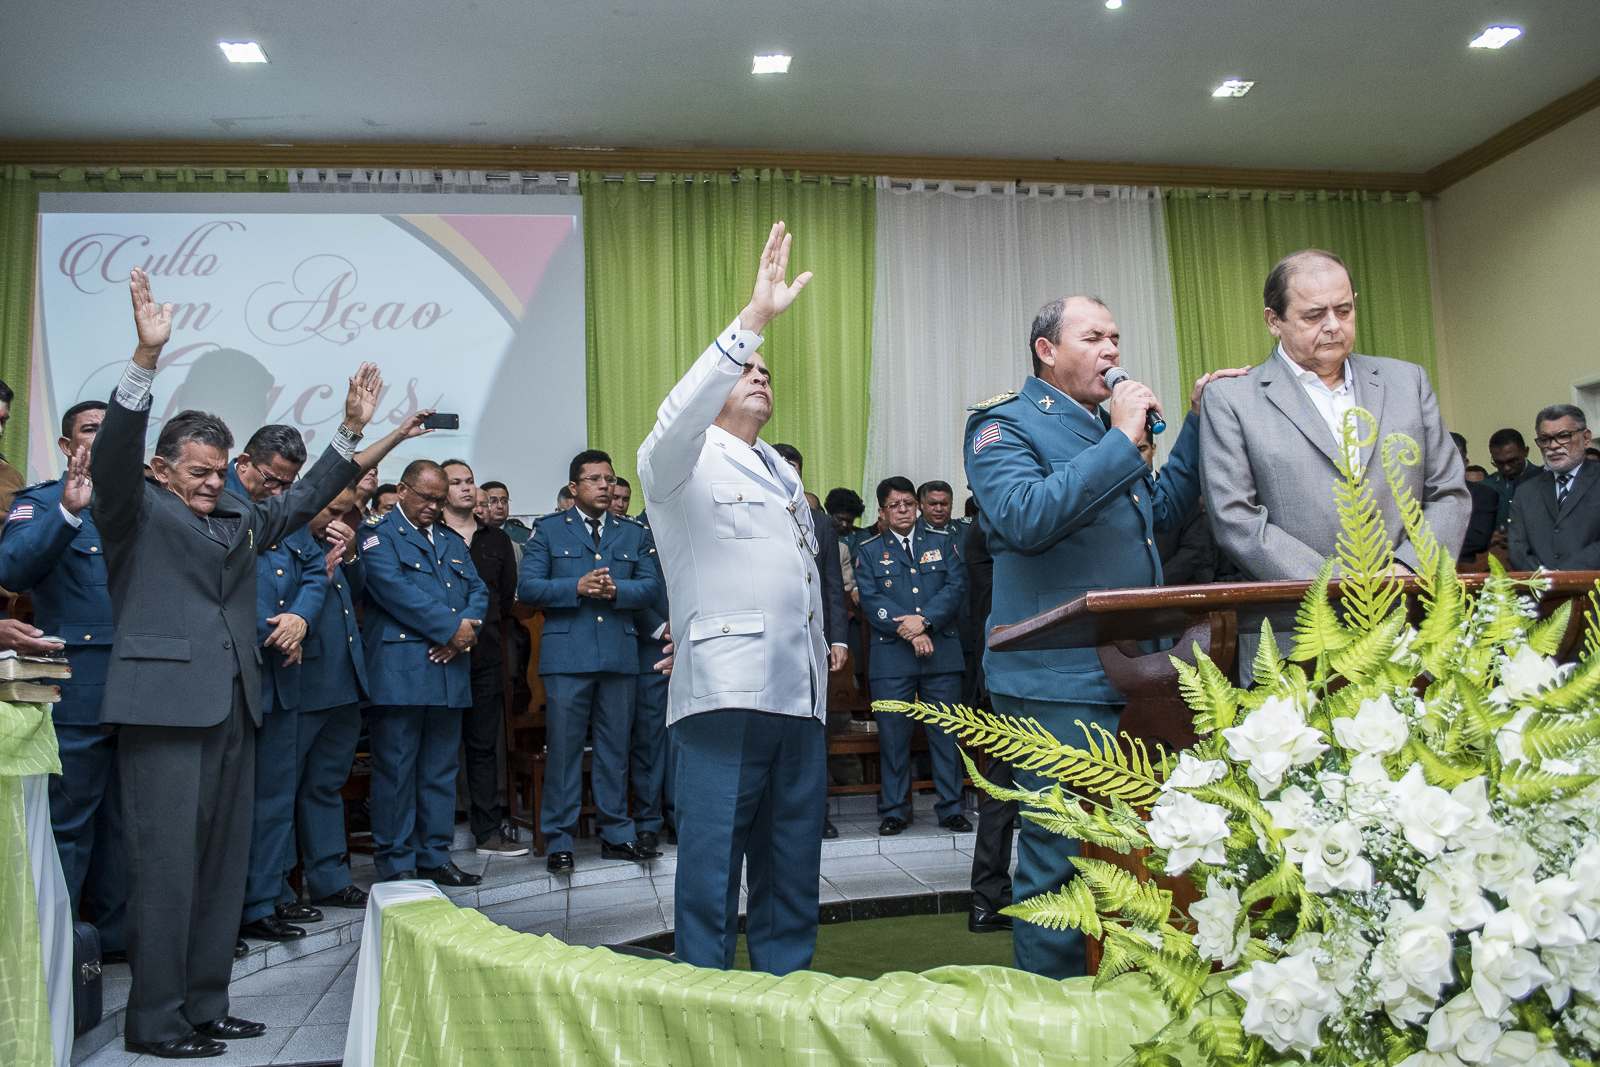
(183, 596)
(1568, 540)
(1267, 463)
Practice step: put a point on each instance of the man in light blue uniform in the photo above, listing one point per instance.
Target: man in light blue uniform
(1068, 505)
(911, 580)
(290, 587)
(649, 766)
(590, 571)
(424, 602)
(50, 547)
(333, 686)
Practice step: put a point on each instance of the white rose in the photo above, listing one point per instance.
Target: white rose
(1272, 739)
(1427, 813)
(1366, 787)
(1191, 772)
(1191, 831)
(1338, 962)
(1450, 884)
(1502, 973)
(1586, 872)
(1536, 914)
(1402, 651)
(1285, 1002)
(1377, 728)
(1414, 962)
(1334, 860)
(1527, 672)
(1431, 1059)
(1481, 828)
(1516, 1048)
(1585, 1014)
(1460, 1026)
(1508, 739)
(1332, 785)
(1214, 916)
(1576, 967)
(1502, 860)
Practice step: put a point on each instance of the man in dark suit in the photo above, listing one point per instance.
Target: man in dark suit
(1555, 518)
(184, 683)
(1508, 451)
(1485, 505)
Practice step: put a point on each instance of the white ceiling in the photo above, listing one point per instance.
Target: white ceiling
(1348, 85)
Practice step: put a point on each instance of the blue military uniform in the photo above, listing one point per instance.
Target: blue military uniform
(929, 581)
(65, 569)
(1067, 506)
(418, 591)
(649, 767)
(589, 659)
(333, 687)
(289, 579)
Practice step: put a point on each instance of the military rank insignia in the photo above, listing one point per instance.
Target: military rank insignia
(933, 555)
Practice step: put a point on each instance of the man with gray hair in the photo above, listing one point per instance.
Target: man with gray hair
(1270, 439)
(1555, 517)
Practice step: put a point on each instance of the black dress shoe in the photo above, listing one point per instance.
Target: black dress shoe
(890, 826)
(558, 861)
(115, 956)
(297, 913)
(984, 921)
(956, 824)
(348, 897)
(271, 928)
(241, 949)
(628, 850)
(829, 831)
(407, 875)
(188, 1047)
(228, 1028)
(449, 874)
(649, 841)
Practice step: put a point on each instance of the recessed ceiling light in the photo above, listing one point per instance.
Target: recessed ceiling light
(1496, 37)
(242, 51)
(771, 65)
(1113, 4)
(1232, 87)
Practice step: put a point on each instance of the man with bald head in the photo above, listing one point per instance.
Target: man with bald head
(1068, 505)
(1270, 440)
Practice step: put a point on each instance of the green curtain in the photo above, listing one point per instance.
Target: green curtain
(1221, 248)
(19, 209)
(670, 262)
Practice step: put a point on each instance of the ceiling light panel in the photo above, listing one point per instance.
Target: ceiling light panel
(242, 51)
(1113, 4)
(771, 65)
(1496, 37)
(1232, 87)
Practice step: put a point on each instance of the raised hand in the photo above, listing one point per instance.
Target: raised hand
(152, 320)
(362, 399)
(772, 295)
(412, 426)
(75, 485)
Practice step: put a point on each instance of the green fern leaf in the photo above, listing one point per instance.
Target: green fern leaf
(1368, 587)
(1366, 656)
(1439, 771)
(1576, 689)
(1523, 784)
(1553, 735)
(1545, 637)
(1268, 659)
(1317, 630)
(1179, 979)
(1221, 697)
(1283, 882)
(1194, 694)
(1399, 452)
(1071, 907)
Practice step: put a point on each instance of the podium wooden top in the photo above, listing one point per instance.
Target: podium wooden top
(1109, 615)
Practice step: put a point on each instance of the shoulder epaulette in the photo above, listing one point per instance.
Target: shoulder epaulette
(630, 518)
(36, 485)
(372, 520)
(994, 401)
(547, 515)
(868, 541)
(946, 532)
(516, 522)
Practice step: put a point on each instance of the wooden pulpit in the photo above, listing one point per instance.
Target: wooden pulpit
(1114, 622)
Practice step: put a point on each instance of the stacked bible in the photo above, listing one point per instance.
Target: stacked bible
(21, 678)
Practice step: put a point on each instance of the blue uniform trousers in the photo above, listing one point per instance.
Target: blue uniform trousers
(753, 791)
(86, 814)
(1044, 859)
(326, 744)
(647, 754)
(414, 755)
(574, 703)
(272, 822)
(894, 745)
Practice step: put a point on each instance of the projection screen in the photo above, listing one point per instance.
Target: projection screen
(470, 304)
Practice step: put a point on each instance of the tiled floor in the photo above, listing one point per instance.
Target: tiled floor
(302, 989)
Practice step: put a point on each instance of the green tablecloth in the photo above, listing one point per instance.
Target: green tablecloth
(27, 747)
(459, 989)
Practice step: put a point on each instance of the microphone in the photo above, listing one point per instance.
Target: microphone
(1152, 418)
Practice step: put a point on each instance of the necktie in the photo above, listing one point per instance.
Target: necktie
(905, 543)
(594, 530)
(1564, 483)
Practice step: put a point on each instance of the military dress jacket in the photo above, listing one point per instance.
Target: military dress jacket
(333, 668)
(586, 635)
(1067, 506)
(417, 592)
(929, 582)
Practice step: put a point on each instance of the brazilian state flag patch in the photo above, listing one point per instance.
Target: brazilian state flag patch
(986, 437)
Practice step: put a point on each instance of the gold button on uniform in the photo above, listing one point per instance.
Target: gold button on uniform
(888, 581)
(402, 637)
(599, 618)
(741, 496)
(86, 637)
(914, 589)
(280, 573)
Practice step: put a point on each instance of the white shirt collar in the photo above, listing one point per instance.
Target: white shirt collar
(1309, 378)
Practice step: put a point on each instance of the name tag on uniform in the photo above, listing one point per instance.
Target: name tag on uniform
(933, 555)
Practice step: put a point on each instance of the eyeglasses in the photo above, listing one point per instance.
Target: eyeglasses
(1548, 440)
(599, 479)
(436, 501)
(902, 506)
(269, 482)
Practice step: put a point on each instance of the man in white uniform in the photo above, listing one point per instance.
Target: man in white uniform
(750, 673)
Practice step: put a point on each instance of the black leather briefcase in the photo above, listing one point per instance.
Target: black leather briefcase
(87, 987)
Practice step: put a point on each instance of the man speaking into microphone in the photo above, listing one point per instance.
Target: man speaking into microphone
(1068, 505)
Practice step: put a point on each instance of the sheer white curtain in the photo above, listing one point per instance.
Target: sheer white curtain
(959, 277)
